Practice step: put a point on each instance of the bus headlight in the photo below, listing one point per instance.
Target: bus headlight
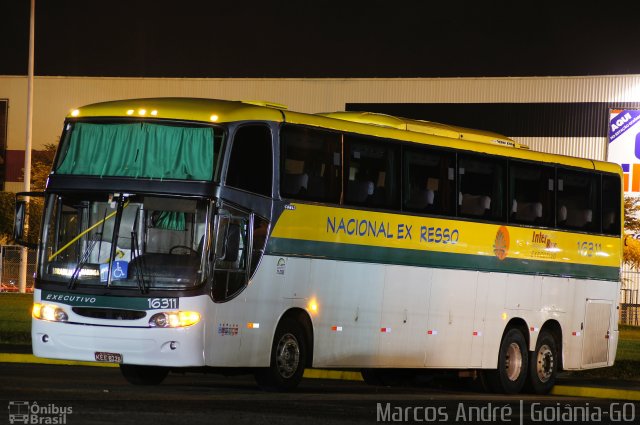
(49, 312)
(174, 319)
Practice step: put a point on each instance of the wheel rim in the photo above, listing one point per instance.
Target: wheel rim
(544, 363)
(513, 362)
(287, 356)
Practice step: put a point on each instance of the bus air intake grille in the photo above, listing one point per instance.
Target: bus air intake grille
(109, 313)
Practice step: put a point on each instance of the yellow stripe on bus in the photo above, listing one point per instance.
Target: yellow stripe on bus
(376, 229)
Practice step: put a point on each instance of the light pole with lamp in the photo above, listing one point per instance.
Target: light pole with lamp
(22, 284)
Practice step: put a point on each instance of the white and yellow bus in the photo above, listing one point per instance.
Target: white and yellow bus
(182, 233)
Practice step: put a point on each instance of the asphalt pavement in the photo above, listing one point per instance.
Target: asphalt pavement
(568, 383)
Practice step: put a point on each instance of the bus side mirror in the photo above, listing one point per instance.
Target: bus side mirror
(20, 221)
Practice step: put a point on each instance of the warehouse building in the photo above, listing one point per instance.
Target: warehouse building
(565, 115)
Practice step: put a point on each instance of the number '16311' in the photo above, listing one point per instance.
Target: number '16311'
(155, 303)
(589, 249)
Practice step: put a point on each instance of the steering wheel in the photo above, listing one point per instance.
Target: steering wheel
(183, 248)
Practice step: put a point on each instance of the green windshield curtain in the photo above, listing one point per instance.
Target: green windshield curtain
(140, 150)
(171, 220)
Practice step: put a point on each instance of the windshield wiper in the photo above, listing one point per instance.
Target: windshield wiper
(86, 254)
(83, 260)
(139, 264)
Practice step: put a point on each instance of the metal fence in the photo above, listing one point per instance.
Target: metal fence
(630, 297)
(10, 268)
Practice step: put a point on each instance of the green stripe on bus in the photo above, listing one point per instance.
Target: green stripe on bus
(410, 257)
(107, 301)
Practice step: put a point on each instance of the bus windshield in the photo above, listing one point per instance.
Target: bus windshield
(124, 241)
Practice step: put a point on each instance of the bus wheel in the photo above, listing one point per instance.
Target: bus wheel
(144, 375)
(513, 359)
(288, 358)
(543, 365)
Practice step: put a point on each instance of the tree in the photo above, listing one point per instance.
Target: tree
(7, 203)
(41, 162)
(631, 251)
(632, 213)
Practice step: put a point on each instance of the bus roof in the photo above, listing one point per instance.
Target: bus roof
(379, 125)
(182, 108)
(426, 127)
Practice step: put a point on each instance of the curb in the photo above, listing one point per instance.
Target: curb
(561, 390)
(594, 392)
(332, 374)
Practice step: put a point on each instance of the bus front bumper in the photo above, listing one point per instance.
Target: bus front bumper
(172, 347)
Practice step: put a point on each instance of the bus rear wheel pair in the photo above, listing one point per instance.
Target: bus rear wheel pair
(520, 370)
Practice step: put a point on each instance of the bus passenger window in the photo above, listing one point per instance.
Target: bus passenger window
(428, 184)
(310, 165)
(611, 204)
(481, 187)
(578, 195)
(251, 162)
(371, 173)
(531, 193)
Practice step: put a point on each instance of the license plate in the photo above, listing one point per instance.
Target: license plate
(101, 356)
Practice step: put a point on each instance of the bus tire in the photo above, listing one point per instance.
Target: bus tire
(543, 365)
(144, 375)
(513, 359)
(288, 358)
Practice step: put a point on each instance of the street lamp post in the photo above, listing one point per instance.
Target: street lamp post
(22, 284)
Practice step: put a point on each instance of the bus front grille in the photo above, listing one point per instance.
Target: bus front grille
(109, 313)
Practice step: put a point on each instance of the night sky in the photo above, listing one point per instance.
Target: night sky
(320, 38)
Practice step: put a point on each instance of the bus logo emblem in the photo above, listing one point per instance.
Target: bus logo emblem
(280, 267)
(501, 244)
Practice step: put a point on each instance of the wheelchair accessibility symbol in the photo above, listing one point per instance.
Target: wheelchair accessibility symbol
(118, 271)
